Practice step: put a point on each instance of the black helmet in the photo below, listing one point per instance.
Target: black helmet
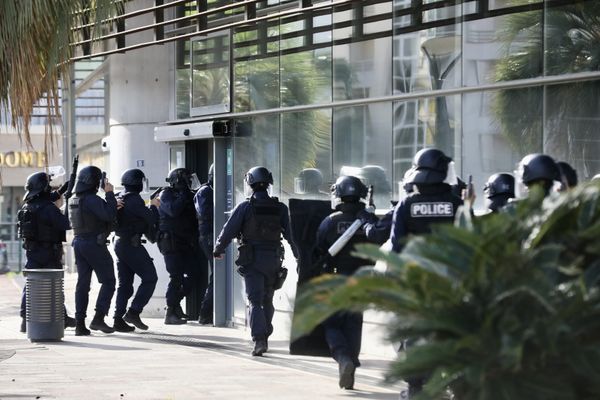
(179, 178)
(133, 177)
(349, 189)
(211, 172)
(500, 184)
(375, 175)
(568, 174)
(430, 166)
(88, 178)
(37, 183)
(309, 180)
(538, 167)
(258, 175)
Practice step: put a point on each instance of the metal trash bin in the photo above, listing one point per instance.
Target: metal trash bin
(45, 304)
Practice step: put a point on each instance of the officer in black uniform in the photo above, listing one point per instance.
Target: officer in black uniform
(259, 222)
(178, 241)
(431, 201)
(537, 170)
(568, 176)
(499, 190)
(203, 201)
(343, 330)
(93, 219)
(42, 227)
(134, 219)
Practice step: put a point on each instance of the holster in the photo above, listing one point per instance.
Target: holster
(165, 242)
(280, 278)
(245, 255)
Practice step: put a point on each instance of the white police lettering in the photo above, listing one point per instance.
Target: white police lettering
(434, 210)
(343, 226)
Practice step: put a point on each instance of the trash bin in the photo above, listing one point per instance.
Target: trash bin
(45, 304)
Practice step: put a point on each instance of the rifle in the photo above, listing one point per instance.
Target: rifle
(71, 185)
(341, 242)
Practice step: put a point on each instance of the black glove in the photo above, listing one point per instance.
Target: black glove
(63, 188)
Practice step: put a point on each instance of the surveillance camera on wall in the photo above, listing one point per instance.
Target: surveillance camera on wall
(105, 144)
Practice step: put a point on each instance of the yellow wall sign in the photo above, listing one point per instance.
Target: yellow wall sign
(23, 159)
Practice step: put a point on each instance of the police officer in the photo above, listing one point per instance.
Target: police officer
(178, 240)
(42, 227)
(203, 201)
(537, 170)
(92, 219)
(431, 201)
(259, 221)
(343, 330)
(499, 190)
(568, 176)
(134, 219)
(308, 183)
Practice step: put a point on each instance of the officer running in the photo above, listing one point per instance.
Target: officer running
(92, 219)
(499, 190)
(178, 240)
(259, 222)
(203, 201)
(42, 226)
(343, 330)
(431, 201)
(134, 219)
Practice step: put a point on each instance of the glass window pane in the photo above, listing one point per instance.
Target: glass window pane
(306, 77)
(210, 75)
(362, 146)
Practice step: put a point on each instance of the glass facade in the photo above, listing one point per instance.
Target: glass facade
(373, 49)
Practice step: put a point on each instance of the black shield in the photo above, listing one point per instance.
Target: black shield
(305, 218)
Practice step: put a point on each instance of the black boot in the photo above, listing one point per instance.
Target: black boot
(98, 324)
(260, 347)
(133, 318)
(23, 325)
(69, 321)
(121, 326)
(346, 368)
(205, 320)
(171, 317)
(80, 329)
(179, 312)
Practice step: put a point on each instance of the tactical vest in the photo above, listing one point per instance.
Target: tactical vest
(84, 222)
(264, 223)
(425, 210)
(344, 262)
(31, 227)
(185, 225)
(128, 223)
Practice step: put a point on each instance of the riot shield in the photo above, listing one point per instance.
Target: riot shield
(305, 218)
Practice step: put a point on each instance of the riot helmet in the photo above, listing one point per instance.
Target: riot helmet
(308, 181)
(375, 175)
(134, 180)
(258, 178)
(499, 189)
(347, 189)
(431, 166)
(183, 179)
(568, 176)
(534, 169)
(88, 178)
(36, 184)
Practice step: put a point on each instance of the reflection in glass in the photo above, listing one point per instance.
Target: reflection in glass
(306, 77)
(210, 75)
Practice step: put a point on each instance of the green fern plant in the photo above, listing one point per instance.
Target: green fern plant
(504, 306)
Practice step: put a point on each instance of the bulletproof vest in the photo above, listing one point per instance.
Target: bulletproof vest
(84, 222)
(344, 262)
(264, 222)
(183, 225)
(127, 222)
(31, 227)
(424, 209)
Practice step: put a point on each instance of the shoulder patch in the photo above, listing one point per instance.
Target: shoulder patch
(442, 209)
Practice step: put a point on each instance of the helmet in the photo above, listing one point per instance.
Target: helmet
(37, 183)
(180, 178)
(134, 180)
(568, 175)
(211, 172)
(88, 178)
(429, 166)
(308, 180)
(536, 167)
(375, 175)
(348, 189)
(499, 184)
(257, 175)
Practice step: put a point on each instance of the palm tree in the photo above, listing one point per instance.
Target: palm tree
(35, 53)
(559, 119)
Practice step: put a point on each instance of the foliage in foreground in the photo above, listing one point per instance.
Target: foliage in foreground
(499, 307)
